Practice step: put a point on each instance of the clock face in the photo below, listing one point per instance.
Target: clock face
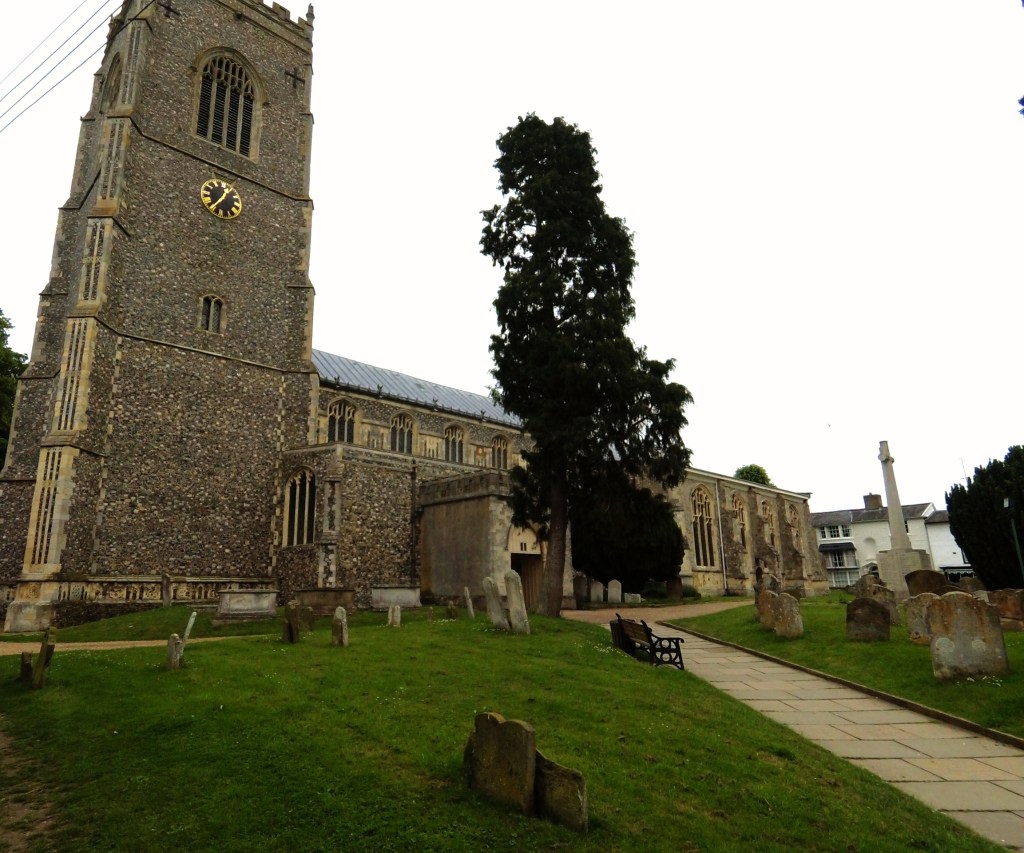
(221, 199)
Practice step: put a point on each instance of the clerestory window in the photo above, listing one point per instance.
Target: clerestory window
(401, 434)
(227, 105)
(341, 422)
(453, 445)
(499, 453)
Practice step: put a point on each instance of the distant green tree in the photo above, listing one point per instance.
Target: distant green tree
(753, 474)
(12, 365)
(586, 394)
(982, 525)
(626, 534)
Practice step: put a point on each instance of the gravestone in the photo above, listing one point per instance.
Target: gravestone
(451, 611)
(516, 603)
(166, 590)
(495, 612)
(561, 794)
(579, 589)
(597, 591)
(864, 584)
(339, 628)
(971, 584)
(764, 604)
(291, 629)
(500, 760)
(787, 619)
(189, 626)
(469, 602)
(26, 667)
(924, 580)
(867, 620)
(674, 588)
(41, 664)
(1010, 605)
(614, 592)
(175, 650)
(395, 616)
(966, 638)
(917, 617)
(632, 598)
(982, 594)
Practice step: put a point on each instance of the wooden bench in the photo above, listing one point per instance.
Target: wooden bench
(637, 639)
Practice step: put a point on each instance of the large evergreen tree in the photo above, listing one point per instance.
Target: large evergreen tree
(753, 474)
(983, 527)
(11, 366)
(588, 396)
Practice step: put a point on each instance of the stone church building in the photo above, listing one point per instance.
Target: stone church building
(175, 427)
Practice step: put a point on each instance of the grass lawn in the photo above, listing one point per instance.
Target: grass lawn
(262, 746)
(898, 667)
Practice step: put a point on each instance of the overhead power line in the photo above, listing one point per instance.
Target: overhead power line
(28, 56)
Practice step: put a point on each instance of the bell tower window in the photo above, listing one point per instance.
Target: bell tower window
(227, 105)
(212, 318)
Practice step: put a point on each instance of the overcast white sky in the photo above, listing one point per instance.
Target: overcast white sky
(825, 196)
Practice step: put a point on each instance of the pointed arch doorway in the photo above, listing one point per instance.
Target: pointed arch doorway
(526, 559)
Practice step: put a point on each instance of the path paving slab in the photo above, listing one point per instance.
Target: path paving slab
(964, 796)
(962, 769)
(896, 769)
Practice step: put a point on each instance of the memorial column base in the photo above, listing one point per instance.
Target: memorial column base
(895, 565)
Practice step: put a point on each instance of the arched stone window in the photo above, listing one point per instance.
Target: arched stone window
(401, 434)
(226, 115)
(739, 512)
(703, 527)
(454, 444)
(341, 422)
(212, 317)
(499, 452)
(299, 509)
(793, 517)
(111, 84)
(768, 516)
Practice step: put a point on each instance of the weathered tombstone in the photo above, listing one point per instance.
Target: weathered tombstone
(917, 617)
(614, 592)
(41, 665)
(674, 587)
(971, 584)
(597, 591)
(517, 614)
(166, 590)
(864, 584)
(886, 596)
(500, 760)
(291, 629)
(1010, 605)
(495, 612)
(395, 616)
(339, 628)
(452, 611)
(579, 589)
(787, 619)
(966, 638)
(306, 616)
(924, 580)
(175, 650)
(981, 594)
(469, 602)
(561, 794)
(764, 604)
(26, 667)
(430, 614)
(867, 620)
(632, 598)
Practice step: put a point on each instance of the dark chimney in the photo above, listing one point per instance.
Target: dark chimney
(872, 501)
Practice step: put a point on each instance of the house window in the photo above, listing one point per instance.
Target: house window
(453, 445)
(833, 531)
(299, 509)
(499, 453)
(341, 422)
(837, 560)
(846, 531)
(401, 434)
(739, 512)
(768, 516)
(703, 528)
(227, 99)
(212, 317)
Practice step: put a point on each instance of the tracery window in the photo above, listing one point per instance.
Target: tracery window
(212, 317)
(341, 422)
(739, 511)
(793, 517)
(112, 84)
(499, 453)
(703, 527)
(453, 444)
(227, 104)
(299, 509)
(768, 516)
(401, 434)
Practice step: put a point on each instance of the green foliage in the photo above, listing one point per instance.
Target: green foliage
(588, 396)
(753, 474)
(982, 526)
(625, 534)
(12, 364)
(260, 745)
(687, 591)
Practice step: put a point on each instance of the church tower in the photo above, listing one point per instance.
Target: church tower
(170, 371)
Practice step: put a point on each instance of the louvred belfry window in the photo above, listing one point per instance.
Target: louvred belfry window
(227, 103)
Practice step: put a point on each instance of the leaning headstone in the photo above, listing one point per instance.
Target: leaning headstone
(395, 616)
(339, 627)
(764, 604)
(597, 591)
(1010, 605)
(495, 612)
(924, 580)
(500, 760)
(632, 598)
(306, 617)
(917, 617)
(788, 621)
(26, 667)
(41, 665)
(971, 584)
(175, 650)
(966, 638)
(561, 794)
(166, 590)
(188, 627)
(980, 593)
(614, 592)
(291, 629)
(469, 602)
(867, 620)
(517, 614)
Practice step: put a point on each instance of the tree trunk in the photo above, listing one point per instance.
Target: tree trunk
(550, 601)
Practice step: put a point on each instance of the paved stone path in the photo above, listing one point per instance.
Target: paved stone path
(972, 778)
